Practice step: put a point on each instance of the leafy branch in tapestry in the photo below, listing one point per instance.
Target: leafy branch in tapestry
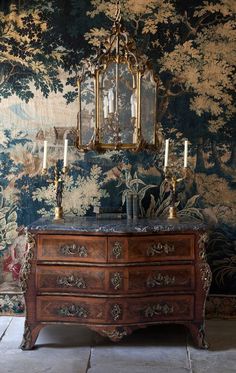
(196, 49)
(223, 267)
(8, 224)
(28, 54)
(81, 193)
(159, 207)
(134, 185)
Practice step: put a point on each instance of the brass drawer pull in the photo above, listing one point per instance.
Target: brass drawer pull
(73, 249)
(72, 281)
(160, 279)
(158, 310)
(116, 312)
(73, 310)
(116, 280)
(117, 250)
(160, 248)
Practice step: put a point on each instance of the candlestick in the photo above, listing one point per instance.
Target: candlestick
(185, 153)
(166, 152)
(45, 148)
(65, 153)
(172, 177)
(58, 181)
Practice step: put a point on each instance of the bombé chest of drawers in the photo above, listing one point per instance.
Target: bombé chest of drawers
(115, 276)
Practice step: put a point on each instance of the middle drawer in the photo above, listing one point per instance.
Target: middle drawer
(114, 280)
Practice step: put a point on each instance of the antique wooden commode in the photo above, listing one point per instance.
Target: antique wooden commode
(115, 276)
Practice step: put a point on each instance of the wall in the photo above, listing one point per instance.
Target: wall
(192, 48)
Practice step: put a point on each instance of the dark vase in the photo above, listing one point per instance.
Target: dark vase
(129, 206)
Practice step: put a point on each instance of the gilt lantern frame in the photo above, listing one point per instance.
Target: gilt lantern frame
(119, 50)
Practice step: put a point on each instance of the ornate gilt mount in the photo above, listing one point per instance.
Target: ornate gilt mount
(117, 250)
(159, 248)
(27, 338)
(116, 280)
(73, 310)
(115, 334)
(73, 249)
(116, 312)
(203, 239)
(26, 267)
(72, 281)
(160, 279)
(158, 310)
(206, 276)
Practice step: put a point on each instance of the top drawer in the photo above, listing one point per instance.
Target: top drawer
(72, 248)
(151, 248)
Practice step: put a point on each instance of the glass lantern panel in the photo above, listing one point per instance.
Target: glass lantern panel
(117, 85)
(148, 106)
(87, 110)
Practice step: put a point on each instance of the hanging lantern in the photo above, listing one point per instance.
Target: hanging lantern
(117, 97)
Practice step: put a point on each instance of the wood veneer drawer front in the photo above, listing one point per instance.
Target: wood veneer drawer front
(151, 248)
(115, 310)
(161, 278)
(75, 309)
(114, 280)
(72, 248)
(175, 307)
(70, 279)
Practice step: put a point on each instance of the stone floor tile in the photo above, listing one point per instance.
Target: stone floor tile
(157, 349)
(135, 368)
(221, 355)
(4, 323)
(13, 335)
(72, 360)
(60, 349)
(160, 347)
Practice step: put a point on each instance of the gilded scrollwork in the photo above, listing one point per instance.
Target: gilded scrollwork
(115, 334)
(73, 310)
(116, 312)
(26, 266)
(27, 338)
(203, 239)
(73, 249)
(158, 310)
(206, 276)
(116, 280)
(159, 248)
(117, 249)
(72, 281)
(160, 279)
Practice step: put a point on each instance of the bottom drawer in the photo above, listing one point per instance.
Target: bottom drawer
(115, 310)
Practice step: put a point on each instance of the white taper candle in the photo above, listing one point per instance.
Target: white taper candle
(65, 152)
(111, 102)
(166, 152)
(185, 153)
(105, 107)
(45, 150)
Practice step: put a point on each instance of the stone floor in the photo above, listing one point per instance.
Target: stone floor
(159, 349)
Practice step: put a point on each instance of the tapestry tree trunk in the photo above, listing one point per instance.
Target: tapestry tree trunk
(200, 164)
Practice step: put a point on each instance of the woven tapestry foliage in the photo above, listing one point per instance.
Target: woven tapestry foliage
(192, 48)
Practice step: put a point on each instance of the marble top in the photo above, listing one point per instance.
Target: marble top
(94, 225)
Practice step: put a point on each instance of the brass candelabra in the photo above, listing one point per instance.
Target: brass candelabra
(172, 178)
(58, 181)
